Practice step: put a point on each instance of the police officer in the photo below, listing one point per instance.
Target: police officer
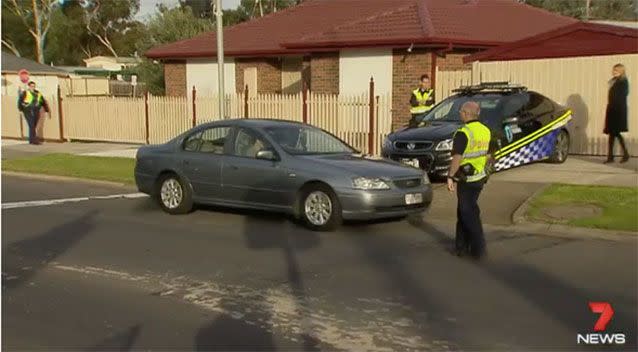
(30, 103)
(467, 175)
(421, 100)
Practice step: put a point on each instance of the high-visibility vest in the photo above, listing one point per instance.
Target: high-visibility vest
(420, 109)
(475, 153)
(30, 99)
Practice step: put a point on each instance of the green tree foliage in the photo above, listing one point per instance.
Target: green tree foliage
(165, 26)
(200, 8)
(249, 9)
(15, 37)
(112, 24)
(618, 10)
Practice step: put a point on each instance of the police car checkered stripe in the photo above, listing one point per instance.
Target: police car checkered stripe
(538, 149)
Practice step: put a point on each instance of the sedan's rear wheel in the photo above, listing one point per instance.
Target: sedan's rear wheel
(561, 148)
(174, 195)
(320, 208)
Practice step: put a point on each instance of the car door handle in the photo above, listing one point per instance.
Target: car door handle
(234, 167)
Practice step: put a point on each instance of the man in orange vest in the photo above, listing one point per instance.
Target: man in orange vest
(30, 103)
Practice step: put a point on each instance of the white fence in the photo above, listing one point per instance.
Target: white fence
(157, 119)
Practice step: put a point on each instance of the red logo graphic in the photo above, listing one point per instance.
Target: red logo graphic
(606, 313)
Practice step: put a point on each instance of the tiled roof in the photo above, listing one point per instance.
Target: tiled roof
(579, 39)
(324, 24)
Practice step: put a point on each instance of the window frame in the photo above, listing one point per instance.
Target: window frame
(201, 131)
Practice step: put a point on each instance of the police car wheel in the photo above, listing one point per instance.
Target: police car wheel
(174, 195)
(561, 148)
(319, 208)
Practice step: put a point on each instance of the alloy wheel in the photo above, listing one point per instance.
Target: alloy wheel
(318, 208)
(171, 193)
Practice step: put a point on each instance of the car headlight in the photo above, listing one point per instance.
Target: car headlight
(444, 145)
(366, 183)
(425, 180)
(387, 143)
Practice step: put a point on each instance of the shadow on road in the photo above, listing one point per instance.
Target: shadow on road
(555, 298)
(122, 342)
(23, 259)
(229, 334)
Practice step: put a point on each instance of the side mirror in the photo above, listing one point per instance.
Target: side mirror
(266, 154)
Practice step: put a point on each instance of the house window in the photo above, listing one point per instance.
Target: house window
(291, 68)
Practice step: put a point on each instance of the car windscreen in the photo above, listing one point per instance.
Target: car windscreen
(449, 109)
(307, 140)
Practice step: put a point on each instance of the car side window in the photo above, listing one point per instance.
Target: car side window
(247, 144)
(539, 105)
(192, 142)
(210, 140)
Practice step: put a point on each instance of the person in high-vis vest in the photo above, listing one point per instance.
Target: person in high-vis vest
(467, 175)
(421, 101)
(30, 102)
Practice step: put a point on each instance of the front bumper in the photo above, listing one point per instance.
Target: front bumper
(367, 205)
(434, 163)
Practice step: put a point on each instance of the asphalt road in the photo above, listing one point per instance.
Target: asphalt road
(121, 275)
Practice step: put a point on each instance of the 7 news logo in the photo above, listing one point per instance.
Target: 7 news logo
(598, 337)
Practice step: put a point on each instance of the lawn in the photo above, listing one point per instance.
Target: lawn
(90, 167)
(619, 205)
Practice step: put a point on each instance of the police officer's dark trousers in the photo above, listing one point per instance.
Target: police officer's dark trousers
(31, 115)
(469, 230)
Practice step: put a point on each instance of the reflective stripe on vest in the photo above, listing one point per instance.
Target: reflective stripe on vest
(28, 98)
(420, 109)
(475, 153)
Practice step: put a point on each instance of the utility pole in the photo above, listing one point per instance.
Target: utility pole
(220, 56)
(587, 5)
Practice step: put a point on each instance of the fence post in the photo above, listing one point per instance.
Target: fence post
(60, 114)
(146, 118)
(304, 97)
(371, 121)
(246, 102)
(194, 107)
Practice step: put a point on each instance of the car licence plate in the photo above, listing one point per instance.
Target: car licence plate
(411, 162)
(413, 198)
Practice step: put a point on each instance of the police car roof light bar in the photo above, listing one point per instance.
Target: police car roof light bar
(500, 86)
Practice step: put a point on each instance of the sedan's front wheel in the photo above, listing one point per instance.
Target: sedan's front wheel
(174, 195)
(320, 208)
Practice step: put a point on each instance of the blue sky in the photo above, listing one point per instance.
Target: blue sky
(147, 7)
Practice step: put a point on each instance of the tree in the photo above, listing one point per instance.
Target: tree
(200, 8)
(166, 26)
(598, 9)
(108, 19)
(35, 16)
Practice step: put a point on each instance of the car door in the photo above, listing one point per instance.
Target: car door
(253, 181)
(202, 159)
(506, 129)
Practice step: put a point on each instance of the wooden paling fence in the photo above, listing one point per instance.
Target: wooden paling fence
(360, 120)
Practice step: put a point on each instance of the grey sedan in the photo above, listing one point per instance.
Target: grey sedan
(281, 166)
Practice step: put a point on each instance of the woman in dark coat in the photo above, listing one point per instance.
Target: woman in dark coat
(616, 115)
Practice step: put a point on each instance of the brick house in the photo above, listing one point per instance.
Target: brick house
(335, 46)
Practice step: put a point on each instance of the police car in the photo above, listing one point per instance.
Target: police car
(526, 127)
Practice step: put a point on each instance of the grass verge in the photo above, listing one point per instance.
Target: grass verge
(89, 167)
(619, 206)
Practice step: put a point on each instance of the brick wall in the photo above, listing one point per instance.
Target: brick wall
(453, 62)
(268, 74)
(175, 78)
(324, 73)
(407, 68)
